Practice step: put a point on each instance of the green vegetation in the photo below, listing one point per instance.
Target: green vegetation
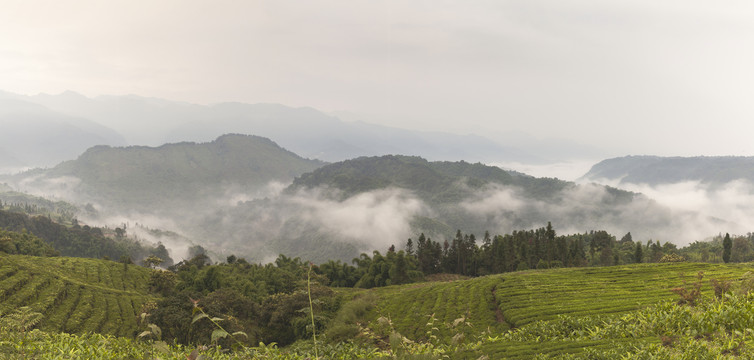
(24, 244)
(437, 183)
(662, 307)
(74, 240)
(631, 312)
(59, 211)
(75, 295)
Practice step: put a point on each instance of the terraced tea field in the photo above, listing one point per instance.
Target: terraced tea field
(497, 303)
(75, 295)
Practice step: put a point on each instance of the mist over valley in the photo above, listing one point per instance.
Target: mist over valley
(248, 196)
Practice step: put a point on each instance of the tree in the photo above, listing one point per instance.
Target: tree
(410, 247)
(161, 252)
(162, 281)
(740, 251)
(196, 250)
(152, 261)
(727, 245)
(639, 253)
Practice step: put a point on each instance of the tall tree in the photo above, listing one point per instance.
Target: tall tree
(639, 253)
(410, 247)
(727, 245)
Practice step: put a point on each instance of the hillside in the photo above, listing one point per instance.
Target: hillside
(79, 241)
(75, 295)
(630, 311)
(435, 182)
(370, 203)
(654, 170)
(147, 178)
(531, 301)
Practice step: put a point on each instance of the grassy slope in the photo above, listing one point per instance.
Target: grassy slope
(522, 298)
(529, 296)
(75, 295)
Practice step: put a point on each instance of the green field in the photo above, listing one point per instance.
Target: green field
(495, 304)
(597, 313)
(75, 295)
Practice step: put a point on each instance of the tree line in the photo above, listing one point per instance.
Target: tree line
(538, 248)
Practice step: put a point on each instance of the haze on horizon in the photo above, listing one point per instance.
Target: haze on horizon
(628, 77)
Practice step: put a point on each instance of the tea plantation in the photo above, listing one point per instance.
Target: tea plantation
(613, 312)
(75, 295)
(493, 304)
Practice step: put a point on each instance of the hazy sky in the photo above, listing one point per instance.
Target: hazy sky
(639, 76)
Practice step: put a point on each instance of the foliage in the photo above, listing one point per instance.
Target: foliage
(59, 211)
(75, 241)
(22, 319)
(24, 243)
(268, 303)
(74, 295)
(599, 313)
(672, 258)
(727, 247)
(689, 295)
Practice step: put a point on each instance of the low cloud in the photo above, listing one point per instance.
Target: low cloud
(296, 224)
(378, 218)
(592, 207)
(58, 188)
(567, 170)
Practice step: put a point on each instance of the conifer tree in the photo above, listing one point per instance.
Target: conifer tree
(727, 245)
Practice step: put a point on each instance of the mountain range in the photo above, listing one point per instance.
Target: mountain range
(68, 123)
(655, 170)
(247, 195)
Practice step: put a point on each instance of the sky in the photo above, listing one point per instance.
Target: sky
(633, 77)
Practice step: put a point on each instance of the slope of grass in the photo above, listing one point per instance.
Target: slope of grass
(595, 313)
(75, 295)
(496, 304)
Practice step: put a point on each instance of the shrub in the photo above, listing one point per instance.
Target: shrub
(672, 258)
(690, 296)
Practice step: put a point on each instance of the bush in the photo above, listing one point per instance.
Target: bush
(672, 258)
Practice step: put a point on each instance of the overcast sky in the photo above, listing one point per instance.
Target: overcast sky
(638, 76)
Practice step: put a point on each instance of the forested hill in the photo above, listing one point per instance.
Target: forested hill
(434, 182)
(655, 170)
(367, 203)
(183, 173)
(47, 238)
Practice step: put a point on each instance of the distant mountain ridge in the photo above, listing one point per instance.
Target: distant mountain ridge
(34, 136)
(655, 170)
(305, 131)
(141, 177)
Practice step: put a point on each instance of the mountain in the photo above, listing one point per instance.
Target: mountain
(147, 178)
(369, 203)
(655, 170)
(328, 138)
(35, 136)
(305, 131)
(434, 182)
